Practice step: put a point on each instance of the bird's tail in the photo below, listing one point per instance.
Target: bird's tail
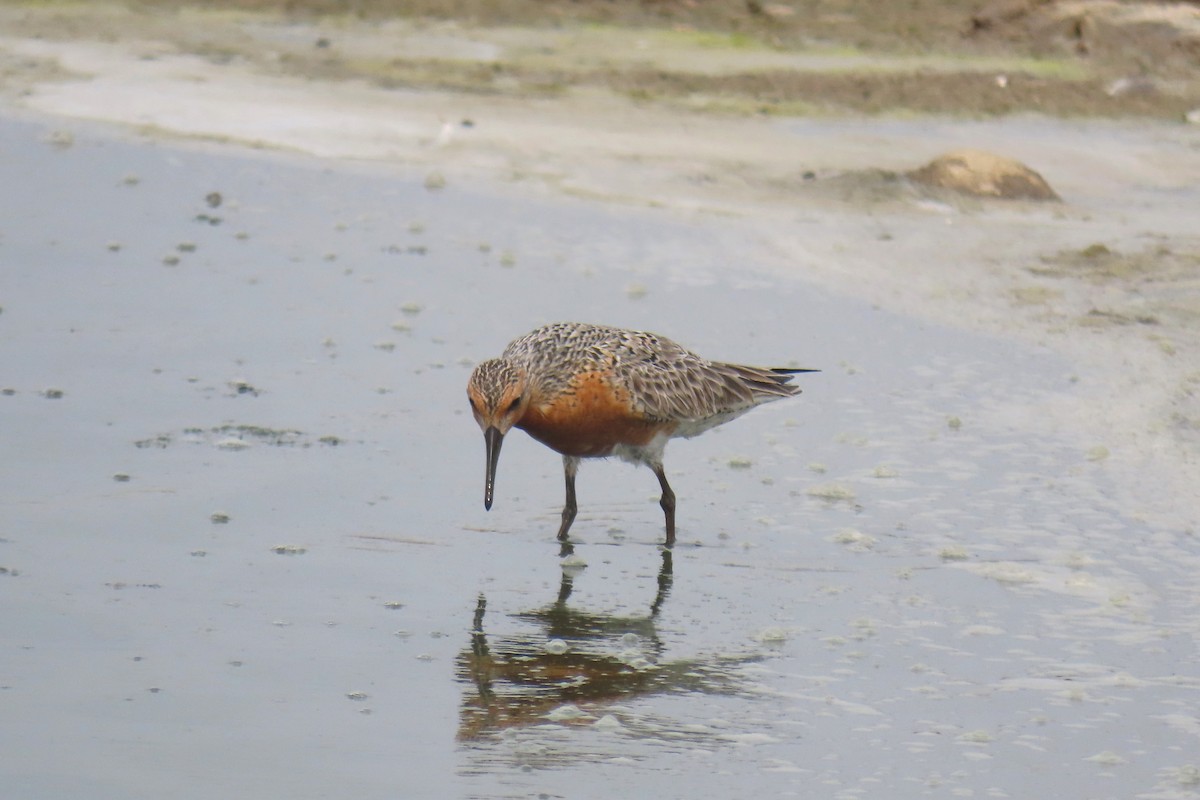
(769, 382)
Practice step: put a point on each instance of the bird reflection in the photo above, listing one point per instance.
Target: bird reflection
(666, 577)
(575, 657)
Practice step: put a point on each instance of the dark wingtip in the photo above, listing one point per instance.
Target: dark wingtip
(783, 376)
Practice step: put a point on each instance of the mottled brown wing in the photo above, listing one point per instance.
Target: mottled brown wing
(665, 381)
(671, 383)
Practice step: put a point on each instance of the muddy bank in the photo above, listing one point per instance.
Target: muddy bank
(1097, 59)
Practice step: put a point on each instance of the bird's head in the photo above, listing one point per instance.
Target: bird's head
(499, 394)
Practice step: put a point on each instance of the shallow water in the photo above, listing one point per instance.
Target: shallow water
(897, 585)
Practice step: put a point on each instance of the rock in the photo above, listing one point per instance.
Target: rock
(983, 174)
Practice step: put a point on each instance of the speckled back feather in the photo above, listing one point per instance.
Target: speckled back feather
(665, 381)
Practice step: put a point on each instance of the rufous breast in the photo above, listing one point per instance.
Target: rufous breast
(589, 418)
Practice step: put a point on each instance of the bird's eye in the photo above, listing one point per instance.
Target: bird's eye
(513, 405)
(474, 407)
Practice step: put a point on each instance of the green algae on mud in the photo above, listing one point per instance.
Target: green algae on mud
(1100, 263)
(716, 57)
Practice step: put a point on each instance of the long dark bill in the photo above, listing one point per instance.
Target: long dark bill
(494, 438)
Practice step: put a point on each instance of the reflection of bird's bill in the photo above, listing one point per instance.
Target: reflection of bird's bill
(494, 438)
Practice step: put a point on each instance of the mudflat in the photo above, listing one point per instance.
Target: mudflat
(250, 252)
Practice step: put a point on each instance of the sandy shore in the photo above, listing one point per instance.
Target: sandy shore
(1109, 277)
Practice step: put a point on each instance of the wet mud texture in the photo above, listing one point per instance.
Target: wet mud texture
(1059, 58)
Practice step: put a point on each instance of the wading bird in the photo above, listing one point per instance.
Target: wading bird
(589, 391)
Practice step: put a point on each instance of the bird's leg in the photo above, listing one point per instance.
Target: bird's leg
(480, 610)
(665, 579)
(667, 502)
(564, 588)
(570, 467)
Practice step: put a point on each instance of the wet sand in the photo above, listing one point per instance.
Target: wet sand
(245, 548)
